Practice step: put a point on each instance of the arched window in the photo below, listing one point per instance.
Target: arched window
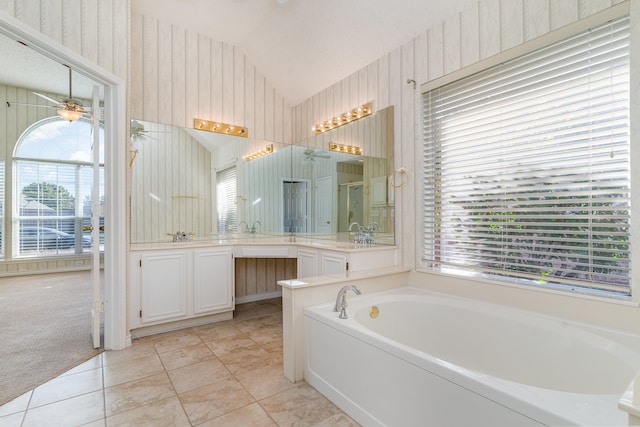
(53, 176)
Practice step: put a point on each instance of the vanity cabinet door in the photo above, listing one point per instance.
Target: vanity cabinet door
(163, 286)
(212, 280)
(307, 263)
(332, 263)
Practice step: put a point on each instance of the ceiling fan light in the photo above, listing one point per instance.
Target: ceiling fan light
(70, 115)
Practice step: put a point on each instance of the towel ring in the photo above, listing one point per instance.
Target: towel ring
(403, 178)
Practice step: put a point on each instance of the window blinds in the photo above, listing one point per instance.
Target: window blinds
(226, 196)
(526, 166)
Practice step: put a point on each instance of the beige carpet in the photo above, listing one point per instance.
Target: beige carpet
(45, 329)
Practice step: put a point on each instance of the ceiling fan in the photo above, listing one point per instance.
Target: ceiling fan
(138, 132)
(69, 108)
(310, 155)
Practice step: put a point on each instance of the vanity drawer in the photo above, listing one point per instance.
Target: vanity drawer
(265, 251)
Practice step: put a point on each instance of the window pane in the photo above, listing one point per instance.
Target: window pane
(53, 195)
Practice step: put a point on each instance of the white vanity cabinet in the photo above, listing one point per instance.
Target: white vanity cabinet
(163, 286)
(322, 262)
(212, 280)
(176, 285)
(307, 263)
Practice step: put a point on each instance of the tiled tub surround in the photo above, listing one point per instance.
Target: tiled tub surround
(223, 374)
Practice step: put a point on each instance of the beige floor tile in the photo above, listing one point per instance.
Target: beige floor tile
(186, 356)
(161, 413)
(136, 393)
(299, 405)
(264, 381)
(259, 322)
(19, 404)
(197, 375)
(139, 348)
(132, 370)
(227, 345)
(215, 373)
(67, 386)
(274, 346)
(217, 331)
(75, 411)
(266, 334)
(177, 340)
(249, 416)
(339, 420)
(247, 359)
(213, 400)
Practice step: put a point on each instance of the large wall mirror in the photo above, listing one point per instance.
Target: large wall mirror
(200, 183)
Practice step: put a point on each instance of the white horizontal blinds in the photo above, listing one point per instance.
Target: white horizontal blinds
(226, 200)
(47, 206)
(527, 166)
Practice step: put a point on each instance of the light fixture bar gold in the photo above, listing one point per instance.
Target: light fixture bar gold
(220, 127)
(266, 150)
(344, 118)
(341, 148)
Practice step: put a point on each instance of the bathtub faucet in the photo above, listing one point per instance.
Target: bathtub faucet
(341, 300)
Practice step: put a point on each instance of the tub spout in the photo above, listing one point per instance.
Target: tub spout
(341, 300)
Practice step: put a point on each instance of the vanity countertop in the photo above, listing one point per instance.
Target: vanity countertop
(261, 240)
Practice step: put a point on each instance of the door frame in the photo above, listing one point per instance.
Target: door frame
(115, 260)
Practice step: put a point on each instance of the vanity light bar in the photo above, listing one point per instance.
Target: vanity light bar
(266, 150)
(219, 127)
(343, 119)
(341, 148)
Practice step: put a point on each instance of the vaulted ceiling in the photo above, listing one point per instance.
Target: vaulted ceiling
(304, 46)
(300, 46)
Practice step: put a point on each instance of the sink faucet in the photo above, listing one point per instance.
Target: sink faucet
(254, 229)
(341, 300)
(180, 236)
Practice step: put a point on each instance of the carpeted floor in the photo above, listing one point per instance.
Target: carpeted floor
(45, 329)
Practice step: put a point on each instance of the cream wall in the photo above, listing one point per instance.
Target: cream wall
(178, 75)
(96, 29)
(488, 28)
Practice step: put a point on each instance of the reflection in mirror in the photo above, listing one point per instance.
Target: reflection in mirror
(198, 183)
(171, 184)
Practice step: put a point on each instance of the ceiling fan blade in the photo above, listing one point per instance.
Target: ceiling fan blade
(46, 97)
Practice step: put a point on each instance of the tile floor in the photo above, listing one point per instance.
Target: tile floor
(222, 374)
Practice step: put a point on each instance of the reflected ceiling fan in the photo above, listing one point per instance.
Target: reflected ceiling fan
(310, 155)
(69, 109)
(138, 132)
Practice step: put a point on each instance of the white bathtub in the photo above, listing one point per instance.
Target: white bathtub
(434, 360)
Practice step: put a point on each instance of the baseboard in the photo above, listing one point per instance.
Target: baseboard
(258, 297)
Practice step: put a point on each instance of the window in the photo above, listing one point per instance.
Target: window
(226, 196)
(53, 180)
(527, 170)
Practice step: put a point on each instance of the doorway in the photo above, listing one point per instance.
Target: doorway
(295, 206)
(351, 201)
(113, 114)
